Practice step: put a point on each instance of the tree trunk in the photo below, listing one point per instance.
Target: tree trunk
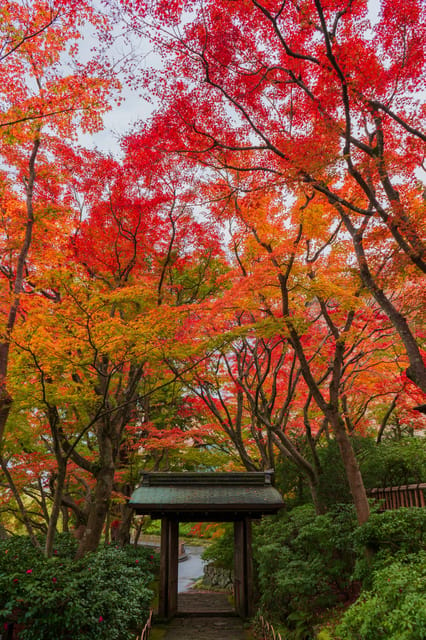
(352, 470)
(56, 508)
(331, 413)
(5, 397)
(65, 519)
(417, 369)
(317, 501)
(138, 531)
(126, 523)
(98, 510)
(289, 451)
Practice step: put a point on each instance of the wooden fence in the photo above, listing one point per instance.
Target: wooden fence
(147, 628)
(407, 495)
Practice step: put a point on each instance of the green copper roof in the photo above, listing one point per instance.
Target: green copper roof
(205, 495)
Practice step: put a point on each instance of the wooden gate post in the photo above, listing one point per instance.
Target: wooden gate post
(167, 605)
(173, 566)
(163, 608)
(243, 568)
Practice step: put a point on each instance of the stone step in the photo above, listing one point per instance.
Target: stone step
(204, 615)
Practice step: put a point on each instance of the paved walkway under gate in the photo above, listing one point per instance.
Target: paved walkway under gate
(202, 616)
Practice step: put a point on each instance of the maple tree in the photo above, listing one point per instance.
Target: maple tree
(314, 101)
(44, 101)
(306, 351)
(311, 95)
(40, 85)
(135, 256)
(40, 104)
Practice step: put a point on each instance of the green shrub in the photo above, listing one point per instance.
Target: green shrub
(304, 564)
(384, 535)
(395, 608)
(104, 596)
(65, 545)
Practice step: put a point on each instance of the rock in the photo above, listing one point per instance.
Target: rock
(218, 578)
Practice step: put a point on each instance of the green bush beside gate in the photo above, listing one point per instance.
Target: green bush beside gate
(104, 596)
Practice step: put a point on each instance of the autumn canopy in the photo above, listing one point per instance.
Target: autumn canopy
(241, 282)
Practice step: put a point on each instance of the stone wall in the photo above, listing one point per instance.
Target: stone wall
(218, 578)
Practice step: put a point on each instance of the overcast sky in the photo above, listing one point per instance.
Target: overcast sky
(121, 118)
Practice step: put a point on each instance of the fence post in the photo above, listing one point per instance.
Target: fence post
(145, 631)
(268, 631)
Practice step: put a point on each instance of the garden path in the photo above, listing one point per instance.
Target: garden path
(204, 616)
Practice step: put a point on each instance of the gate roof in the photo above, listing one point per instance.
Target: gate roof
(201, 497)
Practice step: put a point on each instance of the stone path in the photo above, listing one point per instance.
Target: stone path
(204, 616)
(205, 628)
(204, 602)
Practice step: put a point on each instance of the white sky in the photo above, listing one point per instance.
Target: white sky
(133, 107)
